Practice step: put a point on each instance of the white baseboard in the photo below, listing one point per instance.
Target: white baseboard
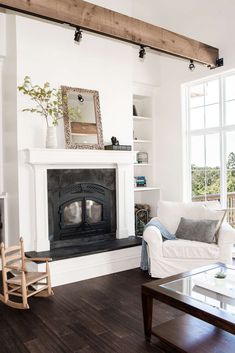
(84, 267)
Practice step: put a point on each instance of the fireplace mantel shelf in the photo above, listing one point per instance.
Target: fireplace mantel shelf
(69, 156)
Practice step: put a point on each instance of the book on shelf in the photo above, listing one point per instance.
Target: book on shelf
(118, 147)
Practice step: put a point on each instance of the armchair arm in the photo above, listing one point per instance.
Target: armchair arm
(153, 238)
(226, 234)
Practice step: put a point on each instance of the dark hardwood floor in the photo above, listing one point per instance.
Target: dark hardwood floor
(100, 315)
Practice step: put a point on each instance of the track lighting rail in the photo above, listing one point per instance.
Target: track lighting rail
(97, 19)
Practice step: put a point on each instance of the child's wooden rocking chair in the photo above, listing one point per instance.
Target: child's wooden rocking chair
(22, 283)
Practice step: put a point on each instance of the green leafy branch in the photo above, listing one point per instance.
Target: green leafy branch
(48, 100)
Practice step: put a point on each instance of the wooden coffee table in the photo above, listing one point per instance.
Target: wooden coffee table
(209, 304)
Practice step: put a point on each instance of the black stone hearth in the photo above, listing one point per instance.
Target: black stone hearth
(87, 249)
(81, 206)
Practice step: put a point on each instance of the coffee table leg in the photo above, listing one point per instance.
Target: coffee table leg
(147, 306)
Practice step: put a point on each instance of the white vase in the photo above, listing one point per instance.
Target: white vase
(51, 138)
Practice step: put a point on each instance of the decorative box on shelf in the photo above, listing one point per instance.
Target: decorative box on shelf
(140, 181)
(118, 147)
(142, 157)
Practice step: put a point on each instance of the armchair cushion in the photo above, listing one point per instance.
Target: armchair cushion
(199, 230)
(226, 234)
(170, 213)
(216, 214)
(188, 249)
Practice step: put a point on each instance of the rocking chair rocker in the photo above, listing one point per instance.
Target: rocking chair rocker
(22, 283)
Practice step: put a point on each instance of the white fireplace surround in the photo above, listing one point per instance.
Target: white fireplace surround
(43, 159)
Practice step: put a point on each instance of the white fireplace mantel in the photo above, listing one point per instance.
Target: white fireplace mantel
(74, 157)
(43, 159)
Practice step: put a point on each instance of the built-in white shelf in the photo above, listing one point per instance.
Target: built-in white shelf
(142, 141)
(141, 118)
(143, 164)
(144, 129)
(146, 188)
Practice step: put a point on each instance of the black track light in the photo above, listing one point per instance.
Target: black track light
(191, 65)
(80, 98)
(142, 52)
(78, 34)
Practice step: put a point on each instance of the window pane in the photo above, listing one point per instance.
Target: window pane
(197, 118)
(196, 94)
(198, 168)
(213, 184)
(212, 106)
(213, 150)
(197, 151)
(230, 152)
(230, 113)
(212, 115)
(230, 87)
(212, 92)
(198, 176)
(213, 166)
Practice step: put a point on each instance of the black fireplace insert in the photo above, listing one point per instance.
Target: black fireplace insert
(81, 206)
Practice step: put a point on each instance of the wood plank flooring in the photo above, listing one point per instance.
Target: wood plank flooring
(101, 315)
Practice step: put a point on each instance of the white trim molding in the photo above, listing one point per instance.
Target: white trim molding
(91, 266)
(43, 159)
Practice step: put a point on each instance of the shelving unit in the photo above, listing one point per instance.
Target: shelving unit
(144, 125)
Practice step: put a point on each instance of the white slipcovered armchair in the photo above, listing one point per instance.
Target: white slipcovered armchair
(170, 257)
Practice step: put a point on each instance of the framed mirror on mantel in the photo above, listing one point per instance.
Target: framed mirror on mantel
(82, 118)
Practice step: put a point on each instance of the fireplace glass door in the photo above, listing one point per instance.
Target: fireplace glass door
(81, 213)
(73, 213)
(93, 211)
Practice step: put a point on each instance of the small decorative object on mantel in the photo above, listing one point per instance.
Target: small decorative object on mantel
(114, 141)
(48, 104)
(116, 146)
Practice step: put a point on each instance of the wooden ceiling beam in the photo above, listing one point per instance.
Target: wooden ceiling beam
(90, 17)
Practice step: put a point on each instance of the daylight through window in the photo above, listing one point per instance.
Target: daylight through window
(211, 138)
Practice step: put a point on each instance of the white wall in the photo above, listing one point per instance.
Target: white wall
(2, 56)
(47, 52)
(206, 21)
(96, 63)
(99, 64)
(9, 128)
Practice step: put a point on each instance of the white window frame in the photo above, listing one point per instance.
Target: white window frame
(222, 130)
